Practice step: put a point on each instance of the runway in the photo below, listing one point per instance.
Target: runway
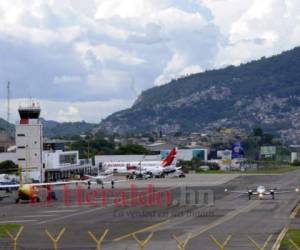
(198, 207)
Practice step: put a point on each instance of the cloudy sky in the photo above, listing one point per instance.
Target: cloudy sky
(84, 59)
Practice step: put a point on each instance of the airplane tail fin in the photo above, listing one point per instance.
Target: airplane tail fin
(170, 158)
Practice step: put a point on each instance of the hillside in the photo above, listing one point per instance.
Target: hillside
(55, 129)
(262, 93)
(7, 127)
(65, 129)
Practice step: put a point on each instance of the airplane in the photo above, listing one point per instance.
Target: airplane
(141, 167)
(29, 191)
(3, 197)
(260, 192)
(8, 179)
(99, 179)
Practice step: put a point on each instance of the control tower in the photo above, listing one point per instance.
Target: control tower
(29, 142)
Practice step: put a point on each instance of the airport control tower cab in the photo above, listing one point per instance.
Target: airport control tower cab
(29, 141)
(29, 113)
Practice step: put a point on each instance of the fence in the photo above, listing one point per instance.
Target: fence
(141, 243)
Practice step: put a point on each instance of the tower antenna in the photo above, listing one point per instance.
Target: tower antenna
(8, 103)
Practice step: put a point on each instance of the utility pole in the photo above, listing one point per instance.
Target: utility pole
(8, 102)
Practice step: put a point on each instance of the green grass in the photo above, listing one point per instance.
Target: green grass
(293, 234)
(9, 227)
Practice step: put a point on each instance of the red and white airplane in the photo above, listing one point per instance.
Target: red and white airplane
(154, 167)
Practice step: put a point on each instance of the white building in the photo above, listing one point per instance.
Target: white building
(59, 164)
(101, 159)
(29, 142)
(188, 154)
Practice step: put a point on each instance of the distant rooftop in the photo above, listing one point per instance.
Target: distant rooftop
(57, 141)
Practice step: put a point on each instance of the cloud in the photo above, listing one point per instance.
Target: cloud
(101, 54)
(255, 28)
(64, 111)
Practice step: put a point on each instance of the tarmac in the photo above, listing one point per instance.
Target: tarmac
(196, 207)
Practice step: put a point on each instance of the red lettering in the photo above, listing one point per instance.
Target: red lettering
(132, 195)
(105, 192)
(66, 194)
(90, 197)
(150, 196)
(79, 195)
(168, 198)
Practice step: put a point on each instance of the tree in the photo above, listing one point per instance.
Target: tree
(267, 139)
(132, 149)
(8, 167)
(258, 132)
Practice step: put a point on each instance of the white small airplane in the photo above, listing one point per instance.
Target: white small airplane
(261, 191)
(99, 179)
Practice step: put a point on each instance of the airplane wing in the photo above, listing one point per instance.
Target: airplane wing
(90, 176)
(275, 191)
(59, 183)
(286, 191)
(9, 186)
(108, 182)
(238, 192)
(3, 197)
(98, 177)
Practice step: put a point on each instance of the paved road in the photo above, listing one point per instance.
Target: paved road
(227, 214)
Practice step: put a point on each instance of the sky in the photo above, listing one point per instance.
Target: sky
(85, 59)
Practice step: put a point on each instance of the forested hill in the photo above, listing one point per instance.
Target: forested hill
(66, 129)
(265, 92)
(54, 129)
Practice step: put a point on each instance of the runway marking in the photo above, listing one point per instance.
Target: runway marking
(279, 239)
(214, 224)
(16, 221)
(142, 230)
(226, 218)
(295, 212)
(58, 211)
(70, 215)
(36, 216)
(85, 211)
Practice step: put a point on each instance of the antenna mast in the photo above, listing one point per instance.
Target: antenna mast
(8, 102)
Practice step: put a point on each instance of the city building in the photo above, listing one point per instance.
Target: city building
(188, 154)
